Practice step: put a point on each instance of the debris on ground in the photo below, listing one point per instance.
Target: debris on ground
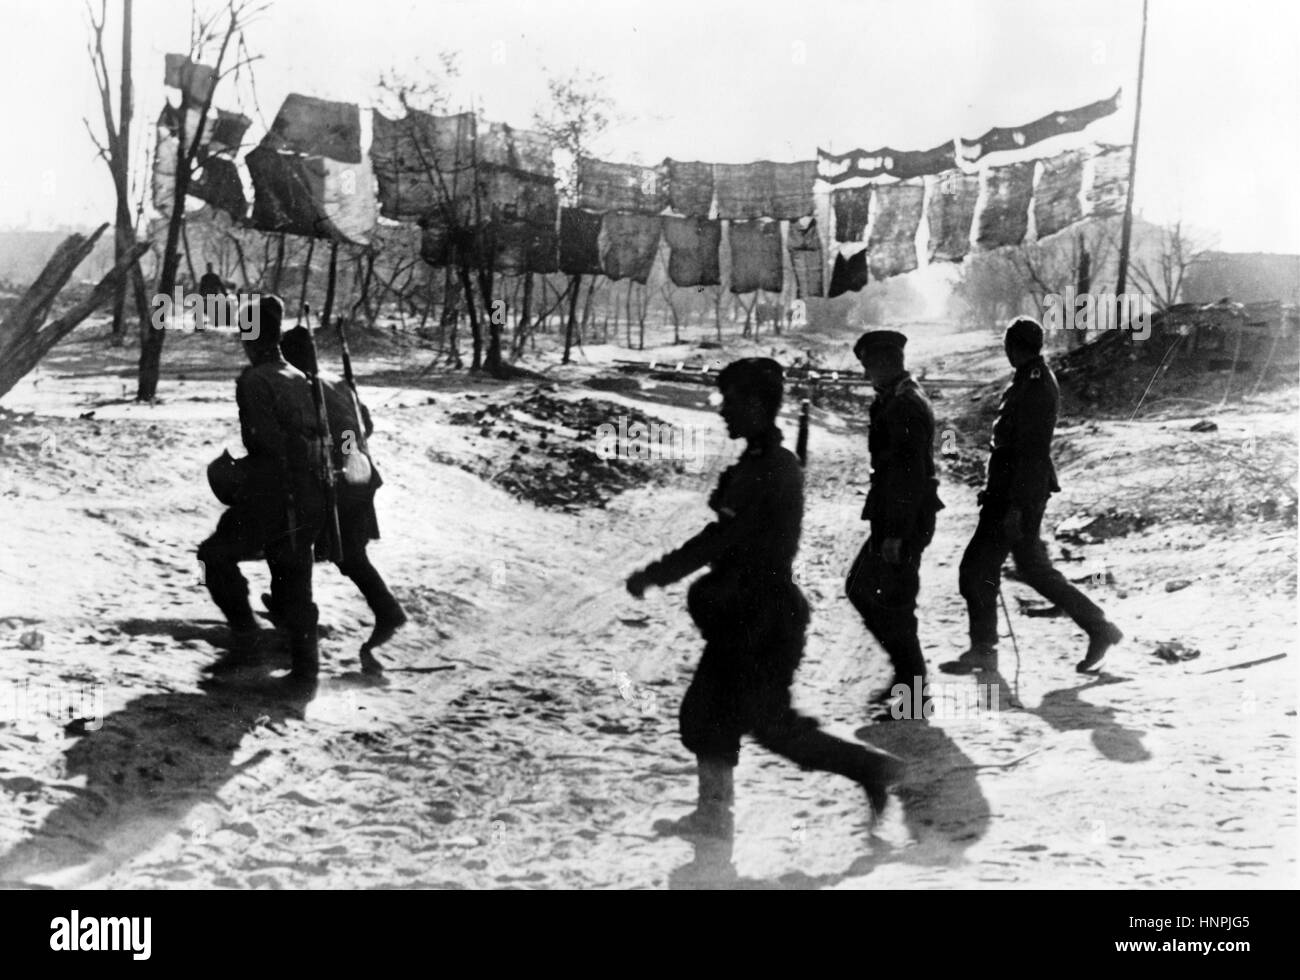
(1175, 651)
(558, 460)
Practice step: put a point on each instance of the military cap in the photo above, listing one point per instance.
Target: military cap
(879, 338)
(270, 312)
(1025, 331)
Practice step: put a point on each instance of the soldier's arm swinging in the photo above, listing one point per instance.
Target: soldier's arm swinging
(752, 519)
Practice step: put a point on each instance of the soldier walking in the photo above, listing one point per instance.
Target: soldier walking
(884, 579)
(752, 615)
(1021, 477)
(350, 429)
(276, 505)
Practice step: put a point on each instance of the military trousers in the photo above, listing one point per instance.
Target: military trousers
(980, 572)
(754, 642)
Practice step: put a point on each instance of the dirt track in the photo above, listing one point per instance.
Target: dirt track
(527, 731)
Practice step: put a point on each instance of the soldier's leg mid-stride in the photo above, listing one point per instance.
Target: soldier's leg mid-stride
(752, 616)
(885, 578)
(276, 504)
(1021, 478)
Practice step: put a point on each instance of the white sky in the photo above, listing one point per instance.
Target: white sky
(732, 82)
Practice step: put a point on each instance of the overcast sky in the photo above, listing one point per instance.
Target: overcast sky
(732, 82)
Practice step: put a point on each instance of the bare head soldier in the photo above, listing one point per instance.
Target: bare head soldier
(752, 615)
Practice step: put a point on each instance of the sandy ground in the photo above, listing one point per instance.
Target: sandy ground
(525, 732)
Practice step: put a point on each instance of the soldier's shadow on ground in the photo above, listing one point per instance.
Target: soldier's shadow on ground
(940, 804)
(146, 768)
(1065, 710)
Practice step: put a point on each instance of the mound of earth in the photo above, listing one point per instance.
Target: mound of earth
(558, 461)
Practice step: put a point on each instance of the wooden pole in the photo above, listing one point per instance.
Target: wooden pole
(329, 286)
(306, 273)
(1126, 232)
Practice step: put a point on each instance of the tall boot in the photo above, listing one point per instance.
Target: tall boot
(712, 816)
(303, 644)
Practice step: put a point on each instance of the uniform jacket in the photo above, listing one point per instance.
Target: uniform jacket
(1020, 472)
(904, 497)
(277, 420)
(759, 503)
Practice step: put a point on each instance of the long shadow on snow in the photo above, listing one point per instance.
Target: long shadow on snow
(147, 766)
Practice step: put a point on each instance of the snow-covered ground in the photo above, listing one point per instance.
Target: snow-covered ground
(525, 733)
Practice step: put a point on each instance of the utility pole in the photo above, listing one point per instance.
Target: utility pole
(1126, 232)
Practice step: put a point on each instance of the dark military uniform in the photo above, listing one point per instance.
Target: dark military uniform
(280, 508)
(901, 503)
(1020, 475)
(753, 619)
(350, 428)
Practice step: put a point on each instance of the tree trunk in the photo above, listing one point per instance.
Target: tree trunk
(306, 276)
(23, 339)
(124, 237)
(521, 331)
(476, 333)
(328, 312)
(575, 284)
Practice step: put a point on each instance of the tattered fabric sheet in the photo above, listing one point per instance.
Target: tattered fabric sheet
(519, 149)
(835, 168)
(999, 139)
(218, 183)
(764, 189)
(521, 246)
(744, 189)
(1056, 197)
(1004, 218)
(629, 245)
(313, 196)
(422, 162)
(619, 187)
(217, 180)
(892, 246)
(1109, 188)
(693, 245)
(689, 187)
(228, 131)
(755, 256)
(222, 133)
(163, 182)
(180, 72)
(522, 211)
(950, 214)
(792, 187)
(580, 242)
(436, 242)
(804, 244)
(317, 127)
(849, 274)
(852, 209)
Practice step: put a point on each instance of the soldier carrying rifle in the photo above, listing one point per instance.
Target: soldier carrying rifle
(276, 501)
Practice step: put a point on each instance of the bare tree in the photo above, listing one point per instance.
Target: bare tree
(115, 150)
(204, 34)
(578, 113)
(1162, 260)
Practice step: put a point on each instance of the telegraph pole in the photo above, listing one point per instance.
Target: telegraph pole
(1126, 232)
